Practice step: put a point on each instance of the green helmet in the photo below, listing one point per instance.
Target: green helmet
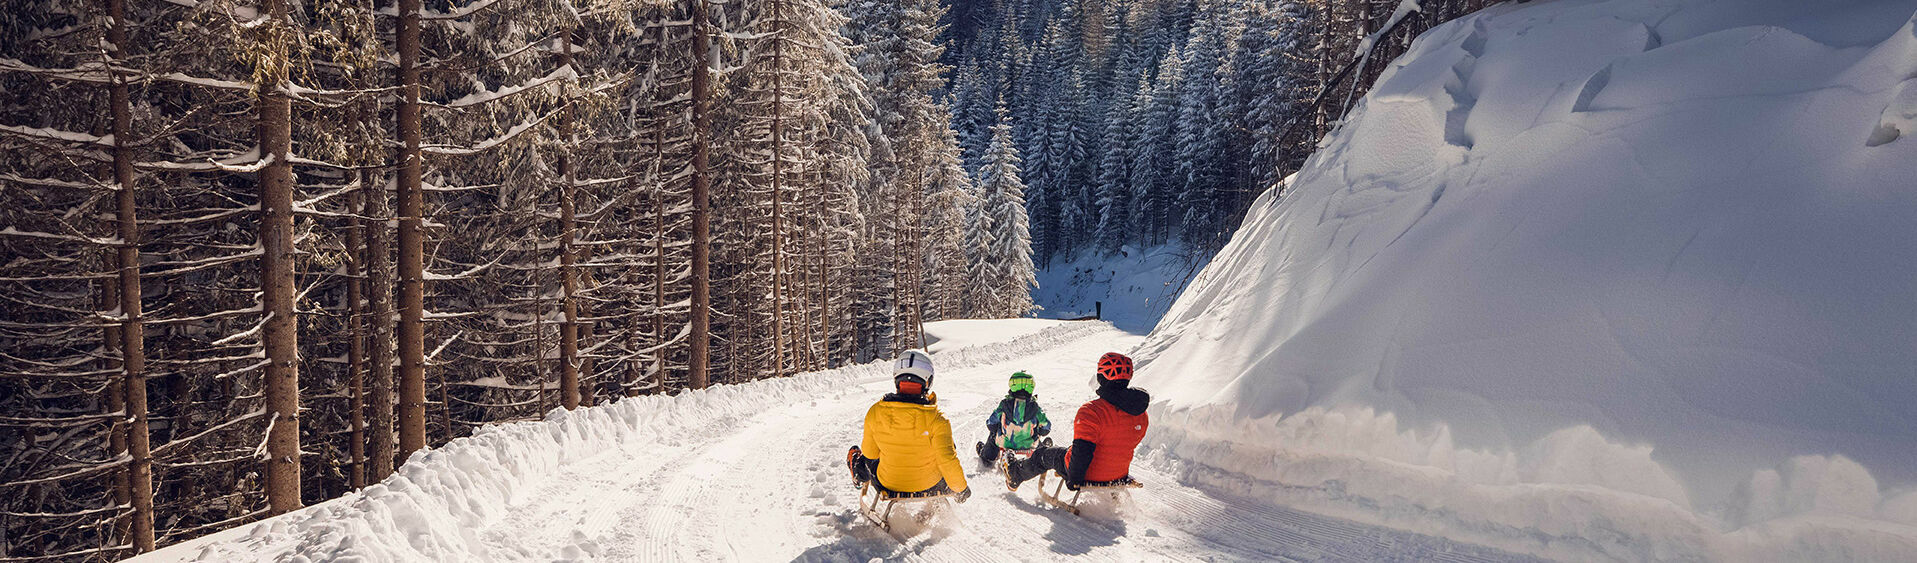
(1022, 381)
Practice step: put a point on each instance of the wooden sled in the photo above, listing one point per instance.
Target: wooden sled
(877, 503)
(1005, 459)
(1053, 493)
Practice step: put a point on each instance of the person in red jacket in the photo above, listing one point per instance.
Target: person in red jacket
(1104, 433)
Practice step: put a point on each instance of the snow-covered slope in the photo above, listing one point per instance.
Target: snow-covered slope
(1627, 278)
(1136, 286)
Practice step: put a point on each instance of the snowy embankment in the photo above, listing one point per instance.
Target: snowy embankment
(1136, 286)
(435, 507)
(1632, 279)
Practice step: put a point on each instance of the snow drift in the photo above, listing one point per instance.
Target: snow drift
(1629, 278)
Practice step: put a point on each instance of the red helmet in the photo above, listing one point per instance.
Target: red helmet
(1114, 366)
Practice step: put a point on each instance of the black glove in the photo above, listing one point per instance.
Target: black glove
(963, 494)
(1073, 485)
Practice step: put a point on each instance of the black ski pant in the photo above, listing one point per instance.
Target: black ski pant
(1042, 459)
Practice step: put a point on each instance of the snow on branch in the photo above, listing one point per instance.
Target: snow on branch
(71, 555)
(309, 206)
(92, 72)
(213, 216)
(684, 330)
(432, 188)
(87, 512)
(63, 421)
(14, 232)
(470, 272)
(168, 447)
(51, 134)
(115, 463)
(247, 162)
(434, 356)
(207, 82)
(52, 183)
(203, 263)
(303, 161)
(428, 15)
(488, 144)
(484, 96)
(252, 310)
(1405, 8)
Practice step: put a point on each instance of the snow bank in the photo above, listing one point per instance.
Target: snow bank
(946, 336)
(434, 506)
(1629, 279)
(1136, 285)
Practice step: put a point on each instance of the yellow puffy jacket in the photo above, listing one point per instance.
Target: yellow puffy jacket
(913, 443)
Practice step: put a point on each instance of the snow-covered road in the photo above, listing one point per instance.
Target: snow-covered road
(741, 481)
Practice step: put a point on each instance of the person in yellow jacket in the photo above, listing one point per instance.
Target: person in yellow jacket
(908, 443)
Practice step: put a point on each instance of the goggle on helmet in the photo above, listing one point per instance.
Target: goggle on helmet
(1022, 381)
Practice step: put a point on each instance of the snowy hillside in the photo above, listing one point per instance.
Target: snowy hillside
(1136, 286)
(1631, 279)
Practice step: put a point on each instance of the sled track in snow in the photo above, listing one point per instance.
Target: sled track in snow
(757, 472)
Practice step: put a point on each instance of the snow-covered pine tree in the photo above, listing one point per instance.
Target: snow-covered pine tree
(1115, 174)
(1268, 85)
(948, 195)
(980, 268)
(845, 153)
(1202, 131)
(1154, 179)
(899, 57)
(1005, 291)
(1070, 183)
(972, 119)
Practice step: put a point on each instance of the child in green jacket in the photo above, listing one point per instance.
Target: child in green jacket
(1017, 423)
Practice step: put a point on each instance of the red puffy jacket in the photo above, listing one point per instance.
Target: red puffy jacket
(1115, 422)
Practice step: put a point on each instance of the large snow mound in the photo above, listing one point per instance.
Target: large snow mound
(1627, 278)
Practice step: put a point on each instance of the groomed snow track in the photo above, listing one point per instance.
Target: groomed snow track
(756, 472)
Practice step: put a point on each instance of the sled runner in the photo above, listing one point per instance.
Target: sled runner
(876, 503)
(1121, 486)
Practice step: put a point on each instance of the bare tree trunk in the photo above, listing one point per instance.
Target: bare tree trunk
(445, 408)
(109, 298)
(659, 247)
(379, 316)
(539, 338)
(569, 281)
(356, 342)
(825, 286)
(778, 224)
(587, 379)
(139, 471)
(280, 330)
(701, 197)
(412, 241)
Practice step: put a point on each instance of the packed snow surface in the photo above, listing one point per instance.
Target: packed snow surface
(1621, 279)
(947, 336)
(756, 472)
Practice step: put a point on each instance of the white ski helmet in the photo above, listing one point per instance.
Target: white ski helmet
(913, 365)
